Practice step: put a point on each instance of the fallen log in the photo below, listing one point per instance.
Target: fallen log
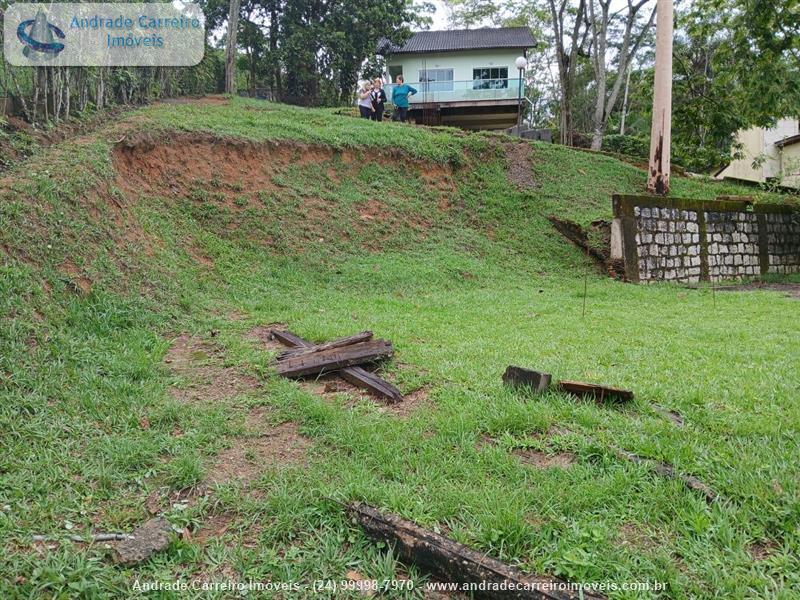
(451, 562)
(599, 393)
(668, 471)
(520, 377)
(363, 336)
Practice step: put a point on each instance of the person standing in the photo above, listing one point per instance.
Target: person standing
(400, 95)
(365, 101)
(378, 100)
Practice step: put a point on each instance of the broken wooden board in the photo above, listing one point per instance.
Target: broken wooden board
(521, 377)
(668, 471)
(363, 336)
(153, 536)
(334, 359)
(451, 562)
(600, 393)
(362, 378)
(358, 376)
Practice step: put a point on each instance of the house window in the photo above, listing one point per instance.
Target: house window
(436, 80)
(490, 78)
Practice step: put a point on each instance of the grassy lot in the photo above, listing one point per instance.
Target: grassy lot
(333, 225)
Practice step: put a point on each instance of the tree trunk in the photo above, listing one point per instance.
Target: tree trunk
(625, 103)
(230, 50)
(660, 132)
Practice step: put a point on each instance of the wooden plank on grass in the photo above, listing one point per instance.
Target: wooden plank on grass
(600, 393)
(358, 376)
(521, 377)
(451, 562)
(287, 338)
(362, 378)
(334, 359)
(363, 336)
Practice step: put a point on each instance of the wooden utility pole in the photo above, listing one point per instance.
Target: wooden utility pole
(660, 138)
(230, 50)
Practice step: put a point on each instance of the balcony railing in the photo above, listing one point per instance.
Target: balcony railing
(462, 91)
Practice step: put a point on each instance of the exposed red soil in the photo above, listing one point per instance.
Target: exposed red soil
(237, 175)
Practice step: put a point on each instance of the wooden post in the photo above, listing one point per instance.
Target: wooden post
(230, 49)
(660, 138)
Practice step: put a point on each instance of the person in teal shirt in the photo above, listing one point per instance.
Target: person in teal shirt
(400, 95)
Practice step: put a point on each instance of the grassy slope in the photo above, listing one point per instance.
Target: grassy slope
(488, 284)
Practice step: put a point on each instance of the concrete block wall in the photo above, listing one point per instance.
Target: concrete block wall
(688, 241)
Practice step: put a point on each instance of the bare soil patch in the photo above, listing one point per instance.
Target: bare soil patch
(631, 534)
(519, 165)
(262, 335)
(200, 364)
(544, 460)
(248, 456)
(761, 550)
(412, 402)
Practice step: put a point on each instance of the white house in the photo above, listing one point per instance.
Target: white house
(769, 154)
(465, 77)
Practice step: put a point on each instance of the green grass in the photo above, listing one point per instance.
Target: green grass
(91, 430)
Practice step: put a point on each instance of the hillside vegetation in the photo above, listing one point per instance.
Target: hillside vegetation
(140, 268)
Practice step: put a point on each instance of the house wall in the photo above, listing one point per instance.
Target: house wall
(758, 141)
(790, 165)
(462, 63)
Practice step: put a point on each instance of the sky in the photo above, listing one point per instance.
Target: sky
(440, 17)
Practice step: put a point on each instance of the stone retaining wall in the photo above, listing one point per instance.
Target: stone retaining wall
(684, 240)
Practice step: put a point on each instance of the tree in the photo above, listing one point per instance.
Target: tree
(230, 49)
(601, 22)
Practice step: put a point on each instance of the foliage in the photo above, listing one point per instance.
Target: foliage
(632, 145)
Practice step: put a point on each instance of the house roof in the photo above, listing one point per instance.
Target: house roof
(463, 39)
(788, 141)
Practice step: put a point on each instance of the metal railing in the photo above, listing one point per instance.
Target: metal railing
(462, 91)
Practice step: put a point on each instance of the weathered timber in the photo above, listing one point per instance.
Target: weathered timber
(451, 562)
(362, 378)
(668, 471)
(363, 336)
(600, 393)
(334, 359)
(289, 339)
(521, 377)
(358, 376)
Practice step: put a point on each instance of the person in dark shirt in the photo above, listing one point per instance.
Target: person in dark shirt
(378, 99)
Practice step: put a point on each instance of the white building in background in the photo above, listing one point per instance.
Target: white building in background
(769, 155)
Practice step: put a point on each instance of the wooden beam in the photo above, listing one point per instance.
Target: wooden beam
(358, 376)
(334, 359)
(520, 377)
(451, 562)
(363, 336)
(599, 393)
(362, 378)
